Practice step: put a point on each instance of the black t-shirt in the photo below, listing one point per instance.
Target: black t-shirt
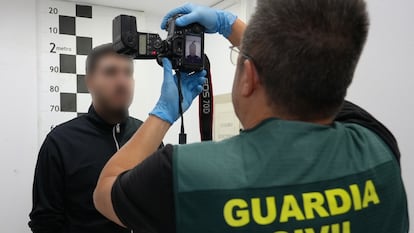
(143, 197)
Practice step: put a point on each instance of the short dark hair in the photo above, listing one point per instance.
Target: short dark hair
(97, 54)
(306, 52)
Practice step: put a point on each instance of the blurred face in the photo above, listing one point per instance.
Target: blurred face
(112, 84)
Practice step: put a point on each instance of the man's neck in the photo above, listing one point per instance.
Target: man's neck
(259, 116)
(252, 122)
(111, 117)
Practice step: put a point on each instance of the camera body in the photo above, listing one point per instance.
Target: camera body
(184, 46)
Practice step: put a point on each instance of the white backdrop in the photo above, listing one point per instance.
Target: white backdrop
(384, 81)
(18, 102)
(383, 85)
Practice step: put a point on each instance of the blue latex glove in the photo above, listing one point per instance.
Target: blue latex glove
(213, 20)
(191, 86)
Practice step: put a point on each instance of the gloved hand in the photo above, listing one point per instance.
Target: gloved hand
(213, 20)
(167, 107)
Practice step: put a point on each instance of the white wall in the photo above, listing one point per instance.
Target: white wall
(384, 81)
(18, 101)
(383, 85)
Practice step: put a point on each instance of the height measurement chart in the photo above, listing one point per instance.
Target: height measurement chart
(67, 32)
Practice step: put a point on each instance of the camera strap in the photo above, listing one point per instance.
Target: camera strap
(182, 137)
(205, 101)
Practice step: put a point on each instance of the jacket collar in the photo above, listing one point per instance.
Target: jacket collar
(100, 122)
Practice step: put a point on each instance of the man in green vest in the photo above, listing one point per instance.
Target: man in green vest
(308, 161)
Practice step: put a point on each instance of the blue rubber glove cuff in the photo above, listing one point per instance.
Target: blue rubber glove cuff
(225, 21)
(161, 111)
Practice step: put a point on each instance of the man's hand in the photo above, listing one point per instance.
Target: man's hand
(213, 20)
(167, 107)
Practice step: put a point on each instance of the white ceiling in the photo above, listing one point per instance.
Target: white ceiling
(158, 7)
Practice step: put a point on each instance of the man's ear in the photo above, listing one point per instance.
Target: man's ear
(250, 79)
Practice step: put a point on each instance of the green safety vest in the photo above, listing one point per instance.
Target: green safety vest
(290, 177)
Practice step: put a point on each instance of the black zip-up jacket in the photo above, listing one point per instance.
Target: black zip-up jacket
(68, 166)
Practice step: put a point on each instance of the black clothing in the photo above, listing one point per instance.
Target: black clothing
(146, 191)
(69, 163)
(352, 113)
(193, 59)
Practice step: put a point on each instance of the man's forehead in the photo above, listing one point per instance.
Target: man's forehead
(115, 60)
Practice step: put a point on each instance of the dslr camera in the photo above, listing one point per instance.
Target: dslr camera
(184, 46)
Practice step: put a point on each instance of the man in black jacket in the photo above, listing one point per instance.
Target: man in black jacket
(74, 153)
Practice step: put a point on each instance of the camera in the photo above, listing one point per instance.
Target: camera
(184, 46)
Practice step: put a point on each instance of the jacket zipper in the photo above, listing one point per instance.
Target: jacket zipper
(117, 129)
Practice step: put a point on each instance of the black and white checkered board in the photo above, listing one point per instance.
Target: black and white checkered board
(68, 63)
(67, 32)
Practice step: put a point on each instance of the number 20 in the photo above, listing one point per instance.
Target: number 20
(53, 10)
